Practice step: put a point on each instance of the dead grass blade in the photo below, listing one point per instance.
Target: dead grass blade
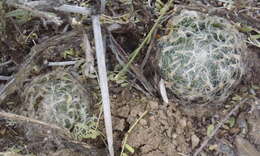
(103, 81)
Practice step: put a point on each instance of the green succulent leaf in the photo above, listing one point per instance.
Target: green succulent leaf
(210, 129)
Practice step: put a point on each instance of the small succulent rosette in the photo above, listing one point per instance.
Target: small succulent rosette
(201, 57)
(58, 98)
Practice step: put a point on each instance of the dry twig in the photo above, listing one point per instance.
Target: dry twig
(146, 39)
(129, 131)
(89, 56)
(148, 52)
(64, 63)
(74, 9)
(6, 63)
(5, 78)
(163, 91)
(220, 124)
(103, 5)
(26, 119)
(103, 81)
(122, 56)
(46, 15)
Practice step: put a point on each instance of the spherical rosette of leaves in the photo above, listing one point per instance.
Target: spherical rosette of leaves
(201, 58)
(57, 98)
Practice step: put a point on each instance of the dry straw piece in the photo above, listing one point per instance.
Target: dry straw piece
(201, 58)
(57, 98)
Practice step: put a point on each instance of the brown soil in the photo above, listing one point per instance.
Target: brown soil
(171, 129)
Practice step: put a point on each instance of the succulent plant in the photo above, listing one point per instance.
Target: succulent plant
(57, 98)
(201, 58)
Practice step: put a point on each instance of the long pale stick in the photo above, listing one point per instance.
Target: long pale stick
(100, 54)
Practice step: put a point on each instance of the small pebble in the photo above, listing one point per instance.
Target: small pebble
(194, 141)
(183, 123)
